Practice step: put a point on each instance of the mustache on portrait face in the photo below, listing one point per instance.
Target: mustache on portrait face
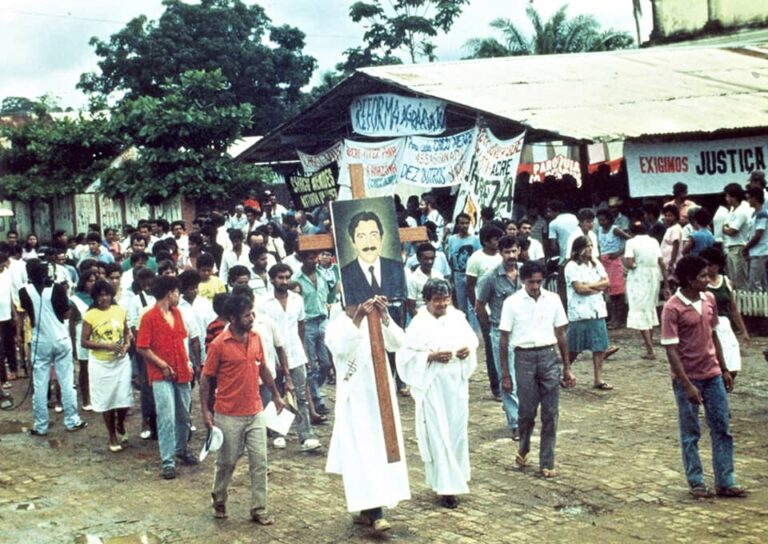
(367, 249)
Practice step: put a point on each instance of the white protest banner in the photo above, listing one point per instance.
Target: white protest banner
(380, 162)
(313, 163)
(706, 166)
(551, 159)
(437, 162)
(394, 115)
(492, 174)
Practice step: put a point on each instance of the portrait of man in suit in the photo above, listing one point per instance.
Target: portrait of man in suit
(370, 273)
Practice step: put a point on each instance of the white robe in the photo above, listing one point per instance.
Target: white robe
(357, 449)
(441, 393)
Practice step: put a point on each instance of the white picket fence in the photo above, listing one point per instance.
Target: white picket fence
(752, 303)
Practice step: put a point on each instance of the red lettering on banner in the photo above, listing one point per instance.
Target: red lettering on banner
(663, 164)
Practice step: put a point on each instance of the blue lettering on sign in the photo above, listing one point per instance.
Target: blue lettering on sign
(389, 114)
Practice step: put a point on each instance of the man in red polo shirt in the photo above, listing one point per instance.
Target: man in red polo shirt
(699, 376)
(236, 359)
(161, 342)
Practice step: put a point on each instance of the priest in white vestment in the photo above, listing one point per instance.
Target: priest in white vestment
(357, 449)
(436, 361)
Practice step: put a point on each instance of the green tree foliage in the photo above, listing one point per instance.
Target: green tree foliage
(182, 137)
(264, 65)
(558, 34)
(405, 24)
(47, 157)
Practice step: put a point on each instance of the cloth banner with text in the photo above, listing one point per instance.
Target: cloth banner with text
(491, 179)
(437, 162)
(380, 162)
(308, 192)
(551, 159)
(314, 163)
(394, 115)
(706, 166)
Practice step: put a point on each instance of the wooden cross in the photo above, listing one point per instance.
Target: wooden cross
(378, 353)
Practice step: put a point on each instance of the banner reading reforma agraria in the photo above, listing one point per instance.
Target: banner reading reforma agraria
(492, 174)
(437, 162)
(394, 115)
(706, 166)
(313, 163)
(380, 162)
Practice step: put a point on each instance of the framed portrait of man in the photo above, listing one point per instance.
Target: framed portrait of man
(367, 243)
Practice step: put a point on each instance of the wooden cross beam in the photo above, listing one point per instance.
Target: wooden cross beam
(378, 353)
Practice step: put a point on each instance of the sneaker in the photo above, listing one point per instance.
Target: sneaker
(58, 408)
(35, 432)
(168, 473)
(516, 435)
(88, 408)
(144, 435)
(279, 443)
(82, 425)
(192, 428)
(187, 458)
(310, 444)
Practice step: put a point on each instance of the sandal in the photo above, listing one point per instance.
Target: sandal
(319, 419)
(611, 351)
(521, 460)
(603, 386)
(115, 448)
(648, 356)
(548, 473)
(701, 491)
(733, 491)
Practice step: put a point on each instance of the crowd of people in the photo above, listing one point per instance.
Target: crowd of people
(232, 303)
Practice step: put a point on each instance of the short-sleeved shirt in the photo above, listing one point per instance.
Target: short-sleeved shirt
(287, 321)
(166, 342)
(683, 209)
(107, 327)
(738, 219)
(236, 365)
(210, 288)
(688, 325)
(416, 281)
(673, 234)
(560, 229)
(494, 289)
(582, 307)
(759, 222)
(531, 323)
(315, 295)
(480, 263)
(271, 339)
(460, 250)
(702, 239)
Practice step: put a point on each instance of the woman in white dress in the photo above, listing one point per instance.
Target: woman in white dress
(645, 273)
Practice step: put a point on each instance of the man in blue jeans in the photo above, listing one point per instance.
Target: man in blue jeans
(314, 291)
(47, 304)
(699, 376)
(161, 343)
(493, 290)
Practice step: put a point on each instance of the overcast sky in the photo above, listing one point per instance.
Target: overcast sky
(44, 43)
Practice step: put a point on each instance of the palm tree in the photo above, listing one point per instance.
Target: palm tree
(558, 34)
(637, 11)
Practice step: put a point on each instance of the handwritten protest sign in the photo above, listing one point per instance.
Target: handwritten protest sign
(394, 115)
(313, 163)
(437, 162)
(706, 166)
(491, 179)
(310, 191)
(380, 162)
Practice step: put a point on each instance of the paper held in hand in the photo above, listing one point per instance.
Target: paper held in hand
(280, 423)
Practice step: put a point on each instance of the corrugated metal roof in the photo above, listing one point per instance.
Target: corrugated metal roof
(605, 96)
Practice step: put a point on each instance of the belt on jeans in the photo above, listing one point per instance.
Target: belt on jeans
(539, 348)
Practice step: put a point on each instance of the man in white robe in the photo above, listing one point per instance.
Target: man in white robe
(436, 361)
(357, 449)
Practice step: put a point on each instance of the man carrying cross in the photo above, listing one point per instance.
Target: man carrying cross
(357, 450)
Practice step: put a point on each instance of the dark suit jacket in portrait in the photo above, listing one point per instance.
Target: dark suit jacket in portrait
(357, 287)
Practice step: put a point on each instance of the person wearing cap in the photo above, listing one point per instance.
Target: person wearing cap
(236, 359)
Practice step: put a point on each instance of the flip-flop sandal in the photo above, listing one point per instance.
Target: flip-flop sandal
(611, 351)
(548, 473)
(648, 357)
(731, 492)
(521, 460)
(701, 491)
(603, 386)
